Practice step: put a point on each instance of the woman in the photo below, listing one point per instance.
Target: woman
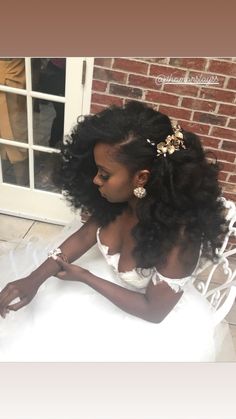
(155, 210)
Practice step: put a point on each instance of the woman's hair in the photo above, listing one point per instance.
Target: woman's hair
(182, 191)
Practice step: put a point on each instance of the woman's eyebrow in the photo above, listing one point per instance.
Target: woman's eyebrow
(99, 166)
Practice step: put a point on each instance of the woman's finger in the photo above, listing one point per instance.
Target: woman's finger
(3, 313)
(61, 274)
(9, 295)
(3, 294)
(18, 305)
(63, 265)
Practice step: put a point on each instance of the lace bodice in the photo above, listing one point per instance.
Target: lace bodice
(140, 277)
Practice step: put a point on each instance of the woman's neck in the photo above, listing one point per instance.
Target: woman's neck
(132, 204)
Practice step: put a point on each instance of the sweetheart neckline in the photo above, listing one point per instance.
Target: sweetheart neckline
(157, 272)
(113, 255)
(104, 245)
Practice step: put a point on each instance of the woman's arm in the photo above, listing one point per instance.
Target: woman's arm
(73, 248)
(26, 288)
(152, 306)
(159, 299)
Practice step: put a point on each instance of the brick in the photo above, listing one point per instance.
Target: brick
(142, 81)
(210, 141)
(103, 62)
(232, 178)
(198, 63)
(96, 108)
(228, 187)
(158, 60)
(198, 104)
(227, 110)
(202, 76)
(106, 99)
(181, 89)
(232, 123)
(229, 146)
(231, 84)
(222, 67)
(175, 112)
(194, 127)
(224, 156)
(159, 70)
(130, 65)
(217, 94)
(224, 133)
(109, 75)
(223, 176)
(160, 97)
(117, 89)
(228, 167)
(99, 86)
(209, 118)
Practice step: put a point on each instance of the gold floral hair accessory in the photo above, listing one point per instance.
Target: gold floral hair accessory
(171, 144)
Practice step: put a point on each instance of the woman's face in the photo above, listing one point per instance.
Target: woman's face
(113, 179)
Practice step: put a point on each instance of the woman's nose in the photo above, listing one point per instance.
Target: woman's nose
(97, 181)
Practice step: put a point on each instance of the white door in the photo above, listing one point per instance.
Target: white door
(40, 100)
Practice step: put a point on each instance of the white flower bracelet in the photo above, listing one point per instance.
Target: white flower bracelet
(57, 252)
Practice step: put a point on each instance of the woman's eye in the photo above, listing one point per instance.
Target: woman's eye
(103, 176)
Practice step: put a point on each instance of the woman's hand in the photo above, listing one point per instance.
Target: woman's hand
(24, 289)
(70, 272)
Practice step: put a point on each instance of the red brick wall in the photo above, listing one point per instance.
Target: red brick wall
(208, 110)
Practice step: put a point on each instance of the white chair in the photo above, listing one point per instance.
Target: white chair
(221, 296)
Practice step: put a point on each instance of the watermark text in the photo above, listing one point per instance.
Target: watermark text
(195, 80)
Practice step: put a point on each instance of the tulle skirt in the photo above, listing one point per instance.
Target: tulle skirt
(68, 321)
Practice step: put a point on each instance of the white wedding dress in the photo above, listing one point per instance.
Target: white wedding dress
(68, 321)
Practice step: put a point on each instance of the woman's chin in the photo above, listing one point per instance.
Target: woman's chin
(107, 198)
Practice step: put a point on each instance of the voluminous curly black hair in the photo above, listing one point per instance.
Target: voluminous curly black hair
(182, 191)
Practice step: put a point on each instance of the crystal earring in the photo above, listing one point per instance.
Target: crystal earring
(140, 192)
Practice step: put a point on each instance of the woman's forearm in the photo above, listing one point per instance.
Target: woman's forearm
(73, 247)
(44, 271)
(132, 302)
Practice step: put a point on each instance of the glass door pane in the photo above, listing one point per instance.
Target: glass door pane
(15, 167)
(48, 122)
(13, 122)
(44, 165)
(49, 75)
(13, 117)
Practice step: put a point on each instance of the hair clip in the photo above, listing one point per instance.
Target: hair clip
(171, 143)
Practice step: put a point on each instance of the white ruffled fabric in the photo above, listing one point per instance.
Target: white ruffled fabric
(68, 321)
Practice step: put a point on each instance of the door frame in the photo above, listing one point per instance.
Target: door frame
(28, 202)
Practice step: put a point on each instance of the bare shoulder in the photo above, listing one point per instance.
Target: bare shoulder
(88, 229)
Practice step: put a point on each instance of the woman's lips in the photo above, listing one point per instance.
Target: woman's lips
(101, 193)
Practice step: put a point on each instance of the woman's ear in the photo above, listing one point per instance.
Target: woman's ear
(142, 177)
